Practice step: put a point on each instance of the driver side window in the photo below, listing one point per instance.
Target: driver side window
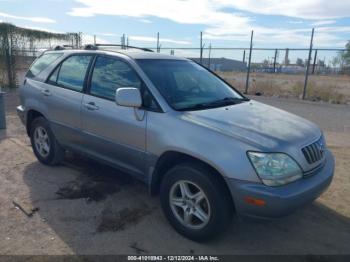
(110, 74)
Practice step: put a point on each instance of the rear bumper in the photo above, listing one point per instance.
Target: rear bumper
(21, 113)
(280, 201)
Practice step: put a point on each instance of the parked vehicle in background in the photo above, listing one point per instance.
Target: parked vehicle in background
(207, 150)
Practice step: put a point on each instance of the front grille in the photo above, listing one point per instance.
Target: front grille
(314, 152)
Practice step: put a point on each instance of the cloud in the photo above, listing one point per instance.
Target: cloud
(306, 9)
(197, 11)
(28, 18)
(221, 24)
(161, 40)
(295, 22)
(324, 22)
(146, 21)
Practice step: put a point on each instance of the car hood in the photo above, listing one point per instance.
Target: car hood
(263, 126)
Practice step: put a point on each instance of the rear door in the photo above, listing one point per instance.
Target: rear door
(64, 95)
(111, 132)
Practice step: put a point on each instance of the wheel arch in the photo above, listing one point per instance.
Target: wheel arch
(171, 158)
(31, 115)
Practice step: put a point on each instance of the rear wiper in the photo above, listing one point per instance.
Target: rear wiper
(217, 103)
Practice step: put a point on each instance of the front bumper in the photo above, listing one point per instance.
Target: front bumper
(282, 200)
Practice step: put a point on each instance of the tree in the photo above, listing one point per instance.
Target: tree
(265, 62)
(320, 63)
(346, 55)
(300, 62)
(336, 61)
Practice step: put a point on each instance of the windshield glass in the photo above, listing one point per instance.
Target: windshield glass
(188, 86)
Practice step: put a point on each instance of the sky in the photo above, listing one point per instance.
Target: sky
(224, 23)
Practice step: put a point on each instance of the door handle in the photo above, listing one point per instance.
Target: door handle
(91, 106)
(46, 92)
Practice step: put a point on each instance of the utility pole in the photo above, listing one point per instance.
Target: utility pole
(243, 60)
(94, 39)
(308, 63)
(249, 62)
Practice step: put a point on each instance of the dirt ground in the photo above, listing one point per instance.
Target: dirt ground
(82, 207)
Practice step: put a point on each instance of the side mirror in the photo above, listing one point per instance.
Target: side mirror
(128, 96)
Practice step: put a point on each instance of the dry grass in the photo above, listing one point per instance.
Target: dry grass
(333, 89)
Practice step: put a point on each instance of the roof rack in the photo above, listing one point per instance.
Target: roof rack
(97, 47)
(63, 47)
(124, 47)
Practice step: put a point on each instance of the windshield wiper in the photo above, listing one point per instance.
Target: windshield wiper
(216, 103)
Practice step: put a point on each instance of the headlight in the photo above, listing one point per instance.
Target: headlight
(275, 169)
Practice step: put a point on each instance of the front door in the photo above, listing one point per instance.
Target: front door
(113, 133)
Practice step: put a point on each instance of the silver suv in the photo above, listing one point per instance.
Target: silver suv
(206, 149)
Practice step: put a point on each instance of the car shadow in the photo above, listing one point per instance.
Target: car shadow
(95, 209)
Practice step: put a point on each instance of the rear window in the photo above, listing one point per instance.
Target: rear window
(41, 63)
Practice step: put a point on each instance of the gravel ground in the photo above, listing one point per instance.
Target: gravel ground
(82, 207)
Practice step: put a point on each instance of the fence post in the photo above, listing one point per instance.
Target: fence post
(249, 61)
(158, 43)
(286, 57)
(308, 63)
(10, 67)
(274, 61)
(201, 48)
(209, 56)
(2, 110)
(314, 64)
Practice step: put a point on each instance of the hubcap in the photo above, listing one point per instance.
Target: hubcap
(42, 141)
(189, 204)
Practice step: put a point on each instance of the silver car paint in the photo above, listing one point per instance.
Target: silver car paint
(134, 139)
(114, 133)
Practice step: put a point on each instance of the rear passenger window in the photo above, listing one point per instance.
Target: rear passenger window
(110, 74)
(41, 63)
(72, 72)
(53, 78)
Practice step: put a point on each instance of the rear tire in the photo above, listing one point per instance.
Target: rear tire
(44, 144)
(198, 221)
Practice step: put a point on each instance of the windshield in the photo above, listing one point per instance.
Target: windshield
(188, 86)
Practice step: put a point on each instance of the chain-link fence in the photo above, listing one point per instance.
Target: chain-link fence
(319, 74)
(20, 46)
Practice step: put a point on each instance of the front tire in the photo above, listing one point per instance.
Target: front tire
(44, 144)
(196, 202)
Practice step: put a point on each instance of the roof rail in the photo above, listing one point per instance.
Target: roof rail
(63, 47)
(125, 47)
(90, 47)
(58, 47)
(97, 47)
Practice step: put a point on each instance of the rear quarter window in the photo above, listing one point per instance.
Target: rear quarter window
(41, 63)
